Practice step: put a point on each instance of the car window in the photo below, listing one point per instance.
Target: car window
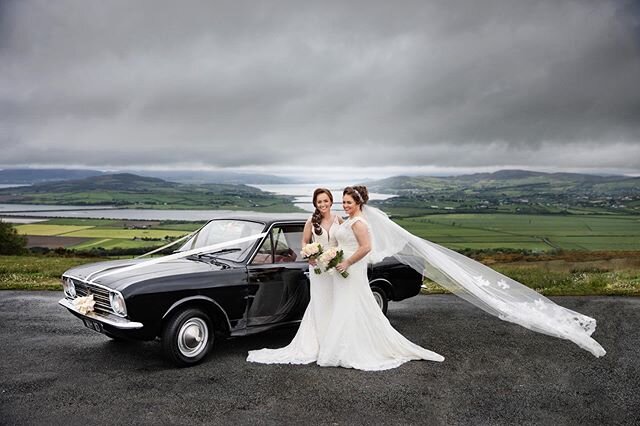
(221, 231)
(264, 253)
(287, 242)
(283, 247)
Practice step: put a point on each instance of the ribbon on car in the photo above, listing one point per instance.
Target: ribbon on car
(170, 244)
(213, 247)
(88, 277)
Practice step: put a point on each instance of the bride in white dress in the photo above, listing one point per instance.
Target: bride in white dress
(304, 347)
(359, 335)
(343, 325)
(349, 329)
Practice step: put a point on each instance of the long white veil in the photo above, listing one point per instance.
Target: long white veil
(491, 291)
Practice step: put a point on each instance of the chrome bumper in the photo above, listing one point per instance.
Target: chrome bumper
(113, 321)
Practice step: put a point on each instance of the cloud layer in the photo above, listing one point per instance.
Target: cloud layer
(275, 85)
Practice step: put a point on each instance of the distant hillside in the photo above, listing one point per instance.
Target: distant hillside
(129, 190)
(29, 176)
(231, 178)
(503, 179)
(514, 191)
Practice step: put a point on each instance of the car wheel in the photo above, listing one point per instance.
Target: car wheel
(381, 298)
(187, 337)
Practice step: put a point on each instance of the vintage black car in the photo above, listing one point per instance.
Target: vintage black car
(189, 302)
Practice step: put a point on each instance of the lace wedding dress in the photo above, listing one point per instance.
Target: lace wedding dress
(304, 347)
(358, 334)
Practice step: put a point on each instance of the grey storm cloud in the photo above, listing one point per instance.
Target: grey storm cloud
(486, 83)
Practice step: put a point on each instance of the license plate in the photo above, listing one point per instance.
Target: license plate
(94, 325)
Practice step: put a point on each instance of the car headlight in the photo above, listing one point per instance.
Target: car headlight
(69, 287)
(117, 303)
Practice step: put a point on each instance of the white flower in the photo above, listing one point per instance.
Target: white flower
(327, 256)
(481, 281)
(311, 249)
(84, 304)
(503, 284)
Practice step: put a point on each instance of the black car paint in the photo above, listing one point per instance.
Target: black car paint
(240, 297)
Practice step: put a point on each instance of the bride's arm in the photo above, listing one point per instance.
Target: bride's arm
(364, 246)
(307, 238)
(306, 233)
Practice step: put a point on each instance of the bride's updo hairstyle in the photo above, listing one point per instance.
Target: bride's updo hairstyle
(316, 217)
(359, 193)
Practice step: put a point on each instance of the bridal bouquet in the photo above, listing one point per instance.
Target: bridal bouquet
(312, 251)
(331, 258)
(84, 304)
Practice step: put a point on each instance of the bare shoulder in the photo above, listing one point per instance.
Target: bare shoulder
(358, 222)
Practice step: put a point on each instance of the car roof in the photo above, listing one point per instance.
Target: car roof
(269, 218)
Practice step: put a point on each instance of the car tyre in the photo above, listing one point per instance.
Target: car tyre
(187, 337)
(381, 298)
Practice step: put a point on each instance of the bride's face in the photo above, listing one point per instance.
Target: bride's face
(323, 203)
(349, 205)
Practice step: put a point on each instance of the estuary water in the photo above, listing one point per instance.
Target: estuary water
(8, 215)
(301, 192)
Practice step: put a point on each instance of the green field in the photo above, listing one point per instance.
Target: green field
(456, 231)
(120, 223)
(533, 232)
(112, 243)
(106, 234)
(49, 230)
(36, 272)
(601, 253)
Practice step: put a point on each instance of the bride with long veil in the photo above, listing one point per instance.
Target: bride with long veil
(355, 333)
(480, 285)
(359, 336)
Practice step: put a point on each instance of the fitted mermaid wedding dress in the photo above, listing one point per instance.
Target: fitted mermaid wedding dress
(304, 347)
(359, 335)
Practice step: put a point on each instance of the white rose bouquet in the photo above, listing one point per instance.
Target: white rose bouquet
(84, 304)
(331, 258)
(312, 251)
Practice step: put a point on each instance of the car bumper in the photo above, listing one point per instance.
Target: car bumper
(111, 321)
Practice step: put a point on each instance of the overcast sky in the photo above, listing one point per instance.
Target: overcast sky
(345, 88)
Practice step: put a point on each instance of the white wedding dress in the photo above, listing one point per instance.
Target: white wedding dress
(346, 328)
(304, 347)
(359, 335)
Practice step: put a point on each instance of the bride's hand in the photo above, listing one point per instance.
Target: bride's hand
(313, 262)
(342, 266)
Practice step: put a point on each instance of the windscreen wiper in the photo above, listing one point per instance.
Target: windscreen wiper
(222, 251)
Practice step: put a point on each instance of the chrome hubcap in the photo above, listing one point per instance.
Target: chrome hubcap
(193, 337)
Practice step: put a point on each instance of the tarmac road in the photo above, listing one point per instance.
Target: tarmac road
(55, 371)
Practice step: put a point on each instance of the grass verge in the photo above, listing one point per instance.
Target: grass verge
(551, 276)
(36, 272)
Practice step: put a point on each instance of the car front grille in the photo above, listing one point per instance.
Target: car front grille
(100, 296)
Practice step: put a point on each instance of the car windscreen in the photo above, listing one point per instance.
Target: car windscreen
(223, 230)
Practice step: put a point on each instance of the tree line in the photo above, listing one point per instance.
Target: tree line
(10, 241)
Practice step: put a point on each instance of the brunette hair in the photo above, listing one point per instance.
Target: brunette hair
(316, 217)
(359, 193)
